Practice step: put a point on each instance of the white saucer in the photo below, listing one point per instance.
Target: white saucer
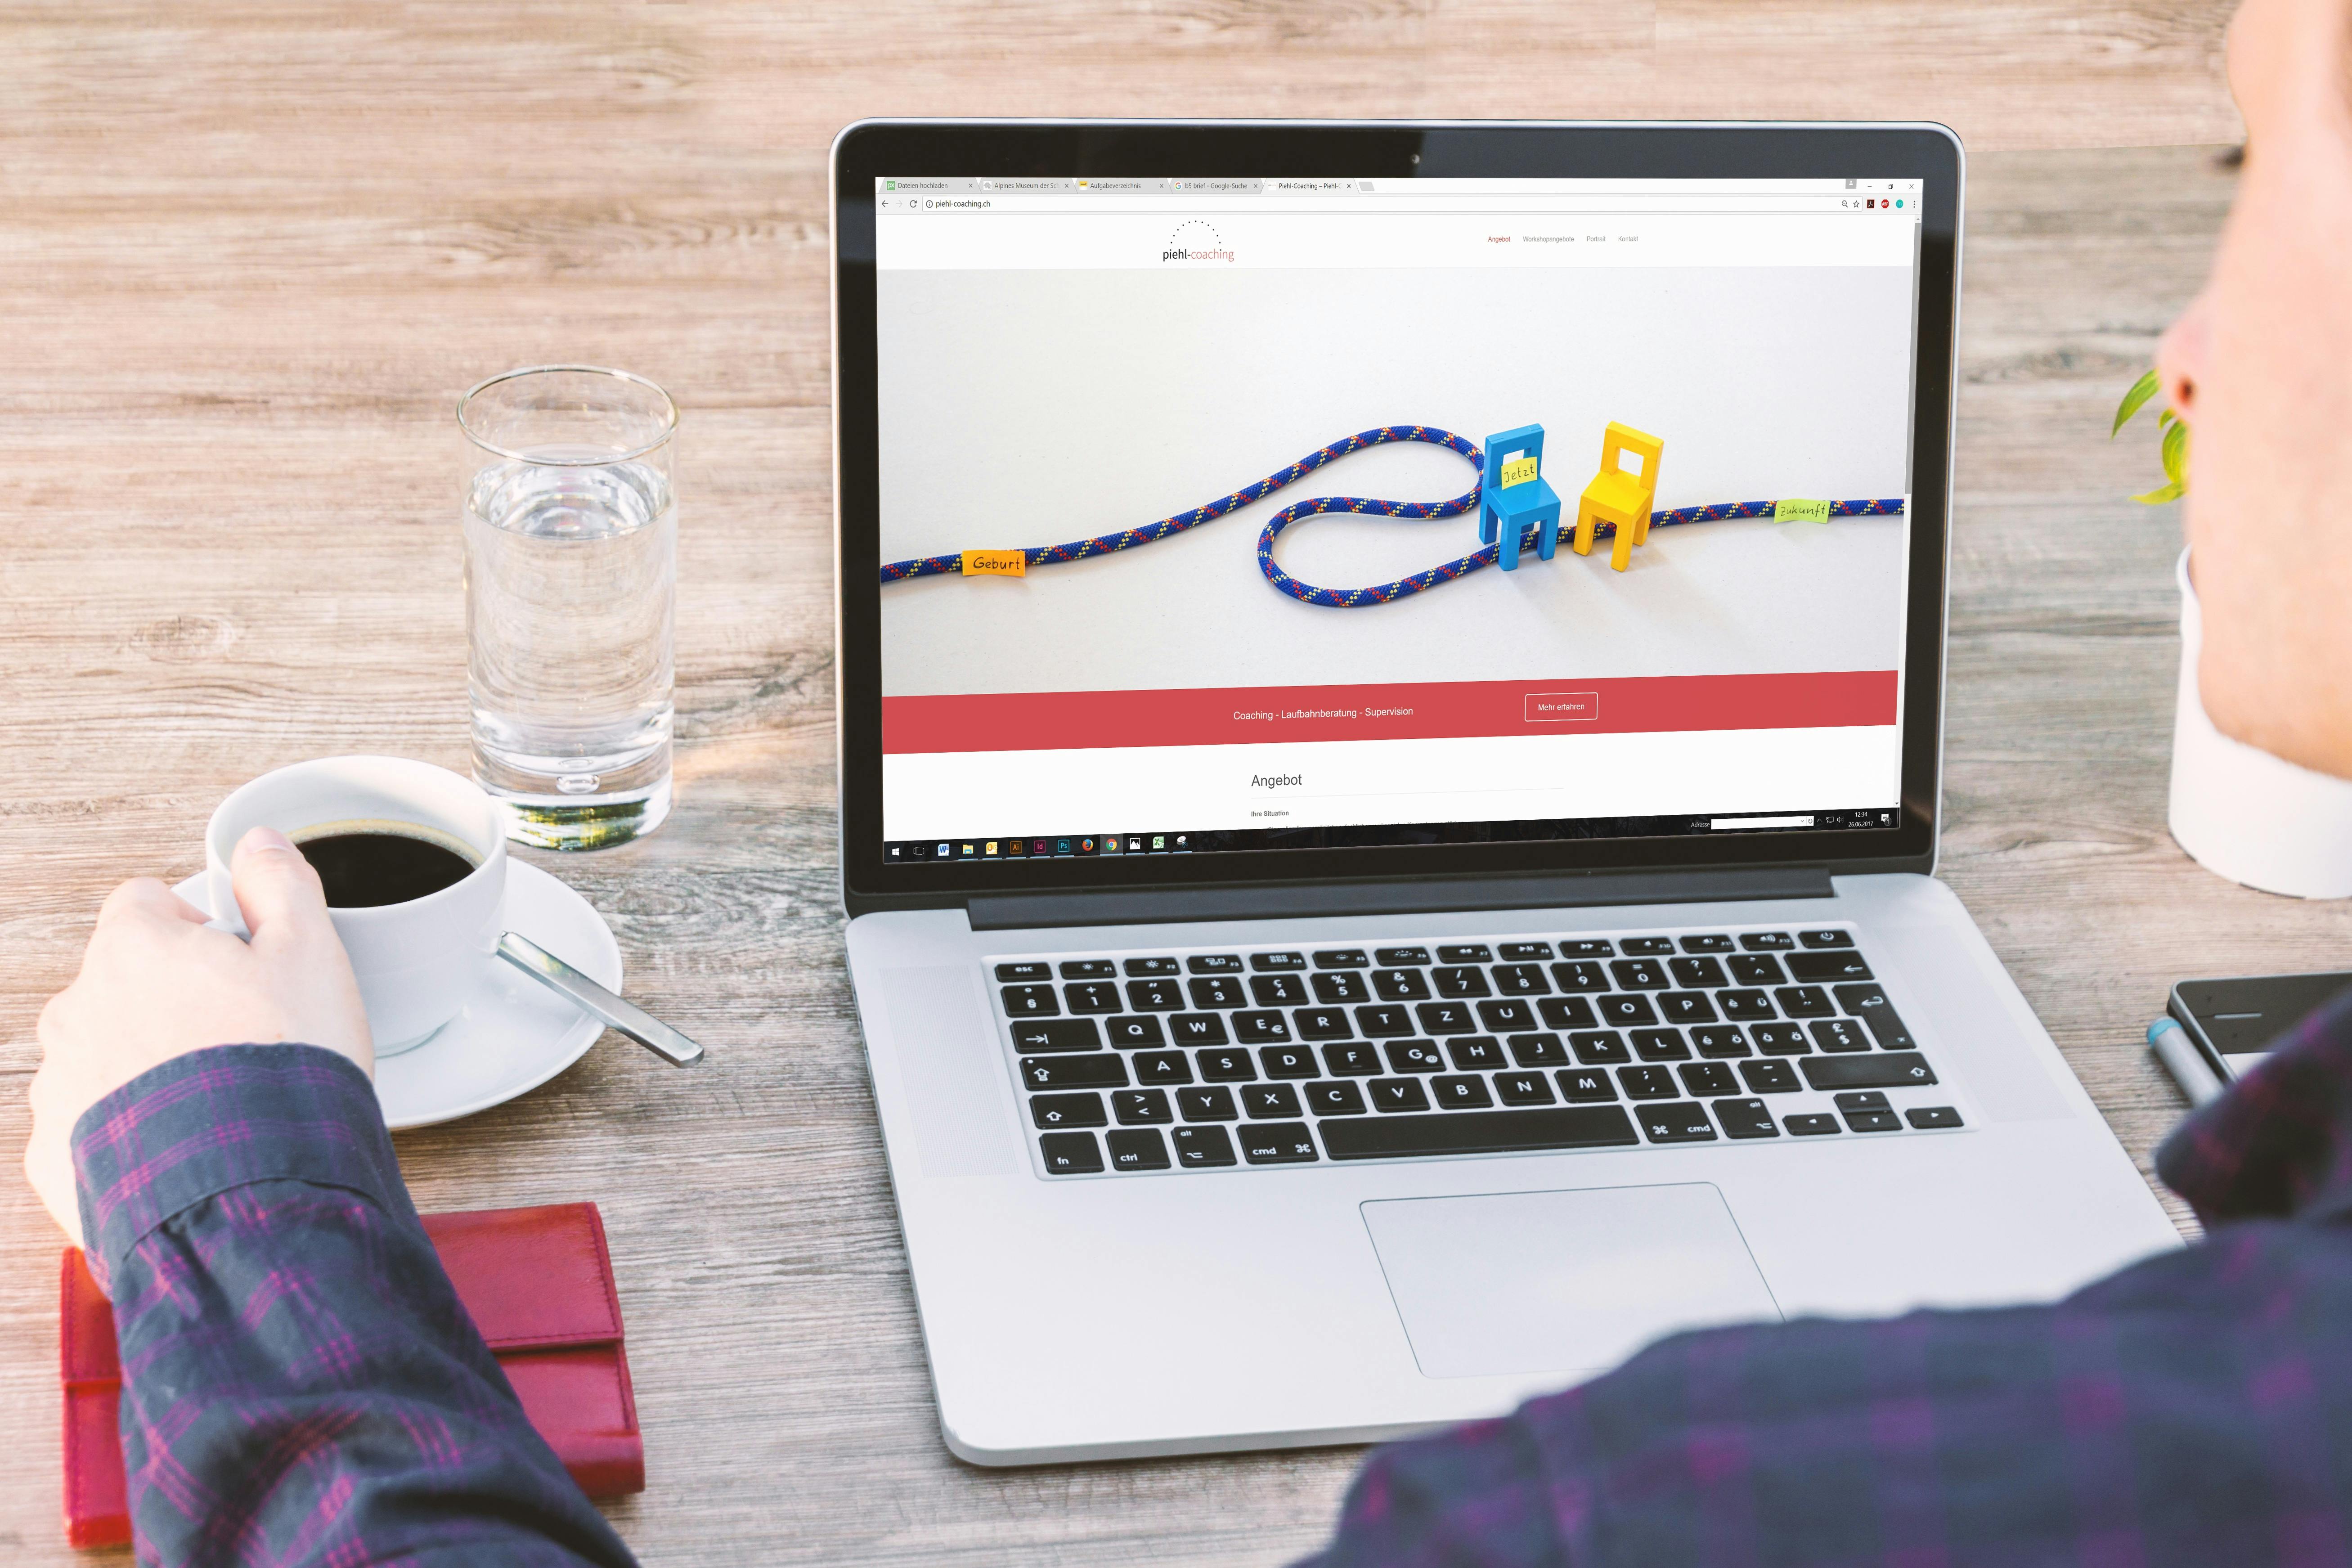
(513, 1034)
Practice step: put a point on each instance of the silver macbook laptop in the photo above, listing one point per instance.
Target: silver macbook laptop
(1391, 679)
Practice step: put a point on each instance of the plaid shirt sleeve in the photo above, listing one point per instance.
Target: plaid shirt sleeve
(2194, 1409)
(300, 1386)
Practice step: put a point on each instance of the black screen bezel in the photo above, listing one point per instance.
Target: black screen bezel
(877, 148)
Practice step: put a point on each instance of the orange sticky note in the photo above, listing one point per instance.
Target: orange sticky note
(995, 564)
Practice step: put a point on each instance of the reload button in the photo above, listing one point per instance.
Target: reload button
(1563, 707)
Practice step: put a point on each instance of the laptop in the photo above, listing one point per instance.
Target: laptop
(1390, 681)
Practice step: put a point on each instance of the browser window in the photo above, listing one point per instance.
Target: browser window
(1253, 514)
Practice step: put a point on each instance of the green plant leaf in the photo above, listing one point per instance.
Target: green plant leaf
(2173, 492)
(2133, 401)
(2163, 419)
(2174, 455)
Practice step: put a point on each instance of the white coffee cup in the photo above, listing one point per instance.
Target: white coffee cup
(2253, 817)
(417, 962)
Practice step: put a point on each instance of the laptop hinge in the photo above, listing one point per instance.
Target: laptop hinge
(1258, 901)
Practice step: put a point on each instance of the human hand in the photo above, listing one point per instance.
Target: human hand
(156, 983)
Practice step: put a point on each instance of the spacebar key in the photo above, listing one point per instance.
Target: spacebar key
(1492, 1132)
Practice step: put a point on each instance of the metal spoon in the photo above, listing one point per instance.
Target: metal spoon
(626, 1016)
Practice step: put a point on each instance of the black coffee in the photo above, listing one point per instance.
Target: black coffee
(361, 870)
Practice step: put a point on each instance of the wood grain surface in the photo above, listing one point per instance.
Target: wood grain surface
(249, 254)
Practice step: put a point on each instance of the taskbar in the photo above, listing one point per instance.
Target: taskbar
(1083, 845)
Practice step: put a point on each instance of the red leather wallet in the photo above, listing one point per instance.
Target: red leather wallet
(539, 1283)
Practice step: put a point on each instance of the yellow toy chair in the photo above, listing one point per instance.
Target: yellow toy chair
(1617, 497)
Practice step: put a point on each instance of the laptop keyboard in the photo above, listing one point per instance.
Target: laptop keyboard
(1195, 1061)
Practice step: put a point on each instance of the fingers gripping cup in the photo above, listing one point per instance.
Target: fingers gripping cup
(414, 859)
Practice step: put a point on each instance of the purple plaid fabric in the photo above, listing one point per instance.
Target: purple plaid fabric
(2195, 1409)
(300, 1386)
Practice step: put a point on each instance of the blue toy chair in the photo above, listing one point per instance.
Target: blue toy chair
(1513, 494)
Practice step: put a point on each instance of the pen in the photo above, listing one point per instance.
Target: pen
(2172, 1048)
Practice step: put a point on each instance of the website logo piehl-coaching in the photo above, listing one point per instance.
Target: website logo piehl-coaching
(1195, 239)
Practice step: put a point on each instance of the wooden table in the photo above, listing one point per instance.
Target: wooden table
(245, 268)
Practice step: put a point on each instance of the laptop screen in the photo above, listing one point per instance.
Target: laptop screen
(1256, 514)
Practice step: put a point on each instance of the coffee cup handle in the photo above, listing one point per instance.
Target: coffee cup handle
(197, 890)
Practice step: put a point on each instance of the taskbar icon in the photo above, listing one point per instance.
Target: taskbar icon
(1157, 843)
(1081, 845)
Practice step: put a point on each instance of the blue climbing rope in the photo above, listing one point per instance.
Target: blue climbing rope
(1380, 592)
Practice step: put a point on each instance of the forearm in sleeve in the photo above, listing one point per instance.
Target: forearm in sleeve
(301, 1384)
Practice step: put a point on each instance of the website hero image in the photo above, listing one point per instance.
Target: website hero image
(1252, 513)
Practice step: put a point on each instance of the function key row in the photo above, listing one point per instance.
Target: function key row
(1347, 958)
(1037, 971)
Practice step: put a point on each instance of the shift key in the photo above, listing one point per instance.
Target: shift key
(1871, 1071)
(1103, 1071)
(1869, 1003)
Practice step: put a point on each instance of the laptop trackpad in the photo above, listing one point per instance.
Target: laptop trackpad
(1572, 1281)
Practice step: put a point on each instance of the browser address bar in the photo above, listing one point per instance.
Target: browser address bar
(1466, 206)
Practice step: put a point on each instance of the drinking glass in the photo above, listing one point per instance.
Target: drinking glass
(571, 589)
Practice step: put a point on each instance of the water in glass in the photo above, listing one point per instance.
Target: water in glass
(571, 584)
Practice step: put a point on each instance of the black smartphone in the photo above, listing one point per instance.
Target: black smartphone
(2232, 1023)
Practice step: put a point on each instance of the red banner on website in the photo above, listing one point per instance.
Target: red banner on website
(1239, 715)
